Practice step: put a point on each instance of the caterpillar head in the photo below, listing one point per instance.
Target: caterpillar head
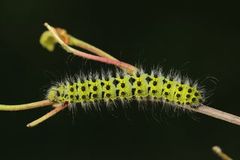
(53, 94)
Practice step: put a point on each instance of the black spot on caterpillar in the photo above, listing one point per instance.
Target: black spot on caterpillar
(125, 87)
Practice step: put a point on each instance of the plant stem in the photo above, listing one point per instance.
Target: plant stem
(57, 109)
(218, 114)
(218, 151)
(73, 41)
(84, 45)
(26, 106)
(129, 68)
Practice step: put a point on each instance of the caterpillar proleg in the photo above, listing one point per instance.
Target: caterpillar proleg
(122, 86)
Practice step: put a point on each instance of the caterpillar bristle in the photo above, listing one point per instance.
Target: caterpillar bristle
(93, 89)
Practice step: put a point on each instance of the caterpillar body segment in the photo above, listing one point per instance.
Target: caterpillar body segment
(125, 87)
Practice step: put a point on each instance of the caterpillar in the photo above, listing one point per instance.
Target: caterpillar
(140, 86)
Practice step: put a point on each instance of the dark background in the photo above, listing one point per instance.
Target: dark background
(200, 39)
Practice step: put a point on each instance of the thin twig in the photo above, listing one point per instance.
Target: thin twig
(218, 151)
(91, 48)
(57, 109)
(129, 68)
(73, 41)
(218, 114)
(26, 106)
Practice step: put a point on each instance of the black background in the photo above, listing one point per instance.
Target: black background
(200, 39)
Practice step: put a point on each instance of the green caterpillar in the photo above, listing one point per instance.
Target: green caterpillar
(125, 87)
